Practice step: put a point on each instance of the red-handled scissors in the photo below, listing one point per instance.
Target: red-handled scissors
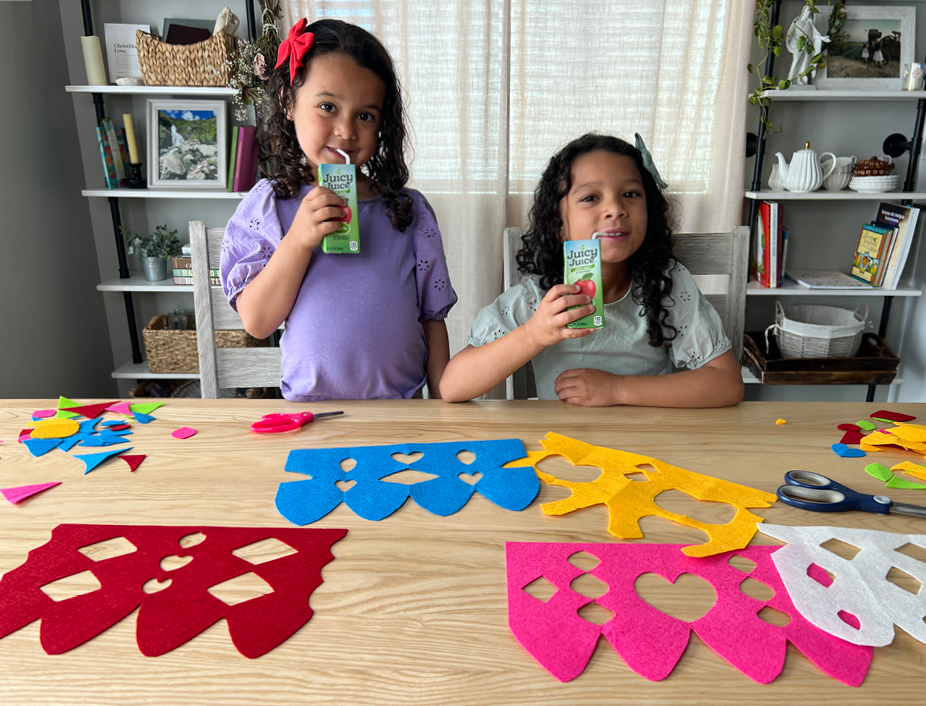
(276, 423)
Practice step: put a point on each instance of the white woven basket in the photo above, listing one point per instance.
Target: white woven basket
(815, 331)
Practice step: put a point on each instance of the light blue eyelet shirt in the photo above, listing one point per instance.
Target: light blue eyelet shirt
(622, 346)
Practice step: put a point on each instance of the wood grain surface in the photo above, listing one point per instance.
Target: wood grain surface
(413, 608)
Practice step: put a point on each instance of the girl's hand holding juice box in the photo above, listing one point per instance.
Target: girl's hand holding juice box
(342, 180)
(583, 267)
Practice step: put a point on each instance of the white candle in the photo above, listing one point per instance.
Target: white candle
(93, 60)
(130, 138)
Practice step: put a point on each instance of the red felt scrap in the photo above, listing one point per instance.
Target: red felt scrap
(24, 434)
(852, 437)
(180, 612)
(90, 411)
(120, 427)
(133, 460)
(849, 427)
(892, 416)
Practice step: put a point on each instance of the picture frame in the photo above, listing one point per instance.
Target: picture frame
(187, 144)
(867, 55)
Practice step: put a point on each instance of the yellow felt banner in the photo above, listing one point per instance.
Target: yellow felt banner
(628, 500)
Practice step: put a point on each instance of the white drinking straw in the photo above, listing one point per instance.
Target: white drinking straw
(343, 154)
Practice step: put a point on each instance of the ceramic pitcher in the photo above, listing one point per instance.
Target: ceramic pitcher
(804, 173)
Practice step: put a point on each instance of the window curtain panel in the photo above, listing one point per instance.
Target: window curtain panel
(494, 87)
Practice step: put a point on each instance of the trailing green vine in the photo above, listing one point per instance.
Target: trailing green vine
(770, 39)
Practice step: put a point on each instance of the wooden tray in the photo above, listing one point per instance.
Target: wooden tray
(874, 364)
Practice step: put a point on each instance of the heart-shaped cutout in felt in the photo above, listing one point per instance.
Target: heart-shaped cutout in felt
(689, 598)
(471, 478)
(345, 485)
(407, 459)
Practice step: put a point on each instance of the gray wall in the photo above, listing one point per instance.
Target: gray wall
(53, 334)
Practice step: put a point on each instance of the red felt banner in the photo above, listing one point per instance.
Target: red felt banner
(180, 612)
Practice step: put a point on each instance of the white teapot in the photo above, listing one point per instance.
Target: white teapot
(804, 173)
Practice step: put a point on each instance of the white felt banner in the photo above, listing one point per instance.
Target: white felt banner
(860, 586)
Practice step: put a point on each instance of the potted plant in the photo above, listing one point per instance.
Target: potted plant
(154, 250)
(770, 39)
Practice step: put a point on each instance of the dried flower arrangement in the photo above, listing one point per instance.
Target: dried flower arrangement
(248, 68)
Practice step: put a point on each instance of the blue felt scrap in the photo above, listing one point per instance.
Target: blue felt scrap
(143, 418)
(94, 460)
(102, 440)
(88, 425)
(373, 498)
(846, 452)
(38, 447)
(69, 443)
(113, 422)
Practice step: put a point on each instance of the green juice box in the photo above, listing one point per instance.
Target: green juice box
(342, 180)
(583, 267)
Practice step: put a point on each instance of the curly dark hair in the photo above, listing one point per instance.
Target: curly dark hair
(282, 160)
(542, 250)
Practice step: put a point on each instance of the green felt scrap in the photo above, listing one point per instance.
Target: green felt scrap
(63, 404)
(144, 407)
(885, 421)
(878, 471)
(905, 484)
(865, 424)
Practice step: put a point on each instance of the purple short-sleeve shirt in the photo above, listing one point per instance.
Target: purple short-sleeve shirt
(355, 328)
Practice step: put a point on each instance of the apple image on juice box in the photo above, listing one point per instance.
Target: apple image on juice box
(582, 259)
(342, 180)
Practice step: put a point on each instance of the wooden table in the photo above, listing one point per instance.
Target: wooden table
(413, 608)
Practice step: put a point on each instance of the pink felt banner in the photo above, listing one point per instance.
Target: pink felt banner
(650, 641)
(180, 612)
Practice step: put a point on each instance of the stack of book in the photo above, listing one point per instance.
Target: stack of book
(883, 246)
(242, 161)
(183, 272)
(770, 246)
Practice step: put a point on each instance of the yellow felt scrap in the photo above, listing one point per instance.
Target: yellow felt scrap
(779, 422)
(880, 439)
(867, 447)
(54, 428)
(912, 469)
(910, 432)
(629, 500)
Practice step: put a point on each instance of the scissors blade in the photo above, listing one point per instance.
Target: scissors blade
(905, 509)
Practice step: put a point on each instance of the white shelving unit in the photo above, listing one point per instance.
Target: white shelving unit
(825, 199)
(136, 283)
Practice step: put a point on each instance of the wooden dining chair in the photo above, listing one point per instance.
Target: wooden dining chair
(220, 367)
(718, 263)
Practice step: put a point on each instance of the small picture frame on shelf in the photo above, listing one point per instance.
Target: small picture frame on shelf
(870, 48)
(187, 144)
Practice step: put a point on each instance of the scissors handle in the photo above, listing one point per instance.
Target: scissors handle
(276, 423)
(816, 492)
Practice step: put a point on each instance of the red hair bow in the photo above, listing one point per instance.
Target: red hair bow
(295, 47)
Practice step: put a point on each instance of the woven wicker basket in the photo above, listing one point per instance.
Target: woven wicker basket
(200, 64)
(175, 351)
(813, 331)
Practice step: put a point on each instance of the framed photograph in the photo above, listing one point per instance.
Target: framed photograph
(869, 51)
(187, 142)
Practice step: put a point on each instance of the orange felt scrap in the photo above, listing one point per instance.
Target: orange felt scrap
(780, 422)
(54, 428)
(912, 469)
(629, 500)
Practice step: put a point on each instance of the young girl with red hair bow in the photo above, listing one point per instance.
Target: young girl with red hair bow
(358, 326)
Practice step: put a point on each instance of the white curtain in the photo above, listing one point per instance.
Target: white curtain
(495, 87)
